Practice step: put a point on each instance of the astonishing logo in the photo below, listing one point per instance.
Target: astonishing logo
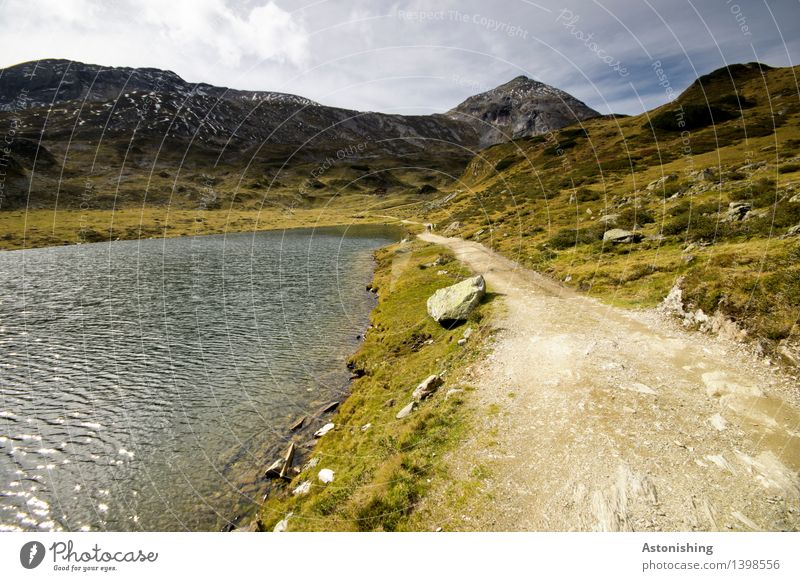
(31, 554)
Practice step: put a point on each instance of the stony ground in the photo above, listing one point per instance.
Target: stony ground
(594, 418)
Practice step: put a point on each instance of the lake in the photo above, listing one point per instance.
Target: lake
(145, 385)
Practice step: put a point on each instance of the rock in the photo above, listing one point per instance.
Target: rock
(297, 424)
(753, 166)
(324, 430)
(452, 228)
(789, 352)
(456, 302)
(366, 427)
(427, 388)
(718, 422)
(718, 383)
(737, 211)
(661, 182)
(795, 199)
(452, 392)
(328, 407)
(326, 475)
(283, 524)
(468, 333)
(793, 231)
(274, 470)
(673, 302)
(620, 236)
(406, 410)
(461, 342)
(303, 488)
(609, 218)
(762, 213)
(707, 174)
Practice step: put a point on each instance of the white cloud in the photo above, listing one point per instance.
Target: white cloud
(360, 54)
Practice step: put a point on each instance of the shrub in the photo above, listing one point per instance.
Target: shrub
(692, 116)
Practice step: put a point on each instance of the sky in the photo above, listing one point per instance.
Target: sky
(413, 56)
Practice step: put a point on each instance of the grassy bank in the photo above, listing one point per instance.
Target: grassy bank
(383, 466)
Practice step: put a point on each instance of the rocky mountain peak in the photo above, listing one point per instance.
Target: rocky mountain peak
(519, 108)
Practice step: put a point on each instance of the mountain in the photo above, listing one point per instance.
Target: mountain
(520, 108)
(100, 123)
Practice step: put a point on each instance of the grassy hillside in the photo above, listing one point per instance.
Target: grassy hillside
(671, 177)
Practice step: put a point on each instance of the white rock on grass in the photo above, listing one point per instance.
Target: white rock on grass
(406, 410)
(303, 488)
(324, 430)
(427, 388)
(325, 475)
(282, 524)
(456, 302)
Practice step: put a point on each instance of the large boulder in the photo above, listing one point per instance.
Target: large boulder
(620, 236)
(456, 302)
(427, 388)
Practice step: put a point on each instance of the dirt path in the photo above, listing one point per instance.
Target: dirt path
(595, 418)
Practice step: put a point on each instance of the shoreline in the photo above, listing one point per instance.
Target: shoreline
(374, 488)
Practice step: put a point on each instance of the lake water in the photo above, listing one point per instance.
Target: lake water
(145, 385)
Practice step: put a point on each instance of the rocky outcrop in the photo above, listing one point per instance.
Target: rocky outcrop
(427, 388)
(737, 211)
(620, 236)
(456, 302)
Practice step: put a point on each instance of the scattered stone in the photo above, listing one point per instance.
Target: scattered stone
(274, 470)
(795, 199)
(752, 214)
(737, 211)
(718, 422)
(311, 463)
(753, 166)
(461, 342)
(718, 383)
(661, 182)
(406, 410)
(328, 407)
(366, 427)
(283, 524)
(452, 228)
(456, 302)
(789, 352)
(609, 218)
(620, 236)
(297, 424)
(468, 333)
(793, 231)
(707, 174)
(326, 475)
(303, 488)
(324, 430)
(639, 388)
(427, 388)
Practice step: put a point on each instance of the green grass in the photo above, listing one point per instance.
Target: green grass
(381, 474)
